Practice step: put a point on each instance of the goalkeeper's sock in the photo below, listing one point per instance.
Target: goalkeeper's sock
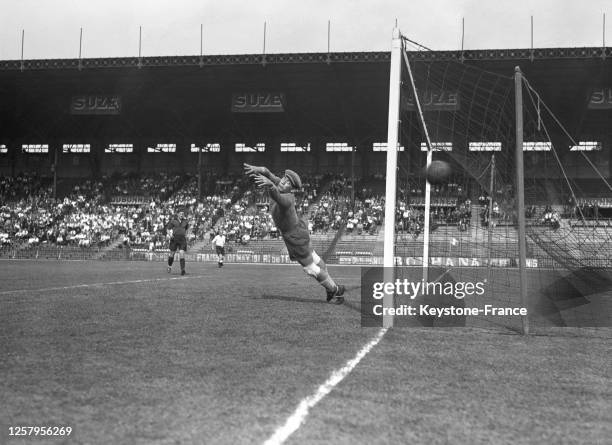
(170, 260)
(324, 278)
(182, 261)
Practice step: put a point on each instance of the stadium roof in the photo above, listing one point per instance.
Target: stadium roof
(340, 96)
(247, 59)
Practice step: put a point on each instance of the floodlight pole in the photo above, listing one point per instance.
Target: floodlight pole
(531, 50)
(603, 48)
(520, 193)
(80, 49)
(22, 43)
(199, 173)
(353, 175)
(201, 64)
(390, 192)
(139, 47)
(55, 173)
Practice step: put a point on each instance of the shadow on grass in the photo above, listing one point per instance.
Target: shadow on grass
(287, 298)
(353, 306)
(350, 305)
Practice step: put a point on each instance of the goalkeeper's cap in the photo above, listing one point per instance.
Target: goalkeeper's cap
(296, 182)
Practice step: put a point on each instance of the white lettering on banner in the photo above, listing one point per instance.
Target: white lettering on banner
(414, 261)
(344, 259)
(435, 261)
(600, 99)
(441, 100)
(531, 262)
(260, 102)
(95, 104)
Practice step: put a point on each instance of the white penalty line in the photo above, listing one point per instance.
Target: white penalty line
(111, 283)
(297, 418)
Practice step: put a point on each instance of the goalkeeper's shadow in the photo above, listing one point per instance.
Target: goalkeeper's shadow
(288, 298)
(356, 306)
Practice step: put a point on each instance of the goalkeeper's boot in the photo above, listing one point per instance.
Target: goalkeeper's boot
(335, 297)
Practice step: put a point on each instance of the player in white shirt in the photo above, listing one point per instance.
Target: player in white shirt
(218, 243)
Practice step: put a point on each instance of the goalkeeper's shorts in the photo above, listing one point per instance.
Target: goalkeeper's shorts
(298, 242)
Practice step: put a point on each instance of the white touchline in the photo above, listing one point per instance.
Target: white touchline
(296, 419)
(76, 286)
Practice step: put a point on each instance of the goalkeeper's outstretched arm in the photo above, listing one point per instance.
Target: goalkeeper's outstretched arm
(282, 199)
(253, 170)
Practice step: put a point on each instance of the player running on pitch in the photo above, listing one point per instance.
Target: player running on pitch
(178, 241)
(218, 243)
(294, 230)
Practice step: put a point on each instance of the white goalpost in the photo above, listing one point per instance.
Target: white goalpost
(395, 78)
(398, 57)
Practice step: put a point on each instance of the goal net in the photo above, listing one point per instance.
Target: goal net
(465, 233)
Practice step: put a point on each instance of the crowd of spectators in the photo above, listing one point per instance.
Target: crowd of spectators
(410, 216)
(361, 216)
(331, 211)
(365, 216)
(593, 209)
(156, 186)
(80, 218)
(25, 208)
(551, 218)
(151, 229)
(244, 223)
(24, 186)
(135, 210)
(90, 213)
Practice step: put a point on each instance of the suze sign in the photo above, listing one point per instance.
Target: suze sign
(601, 99)
(86, 104)
(440, 100)
(259, 102)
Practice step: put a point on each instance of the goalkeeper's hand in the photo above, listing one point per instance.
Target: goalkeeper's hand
(262, 181)
(253, 170)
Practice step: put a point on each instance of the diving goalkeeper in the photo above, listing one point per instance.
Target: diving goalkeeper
(294, 230)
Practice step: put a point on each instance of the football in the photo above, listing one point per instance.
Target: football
(438, 172)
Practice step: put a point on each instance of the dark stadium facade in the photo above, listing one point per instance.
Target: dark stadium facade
(312, 98)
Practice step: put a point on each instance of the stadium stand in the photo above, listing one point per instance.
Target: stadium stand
(116, 216)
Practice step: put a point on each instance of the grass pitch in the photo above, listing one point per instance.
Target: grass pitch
(125, 353)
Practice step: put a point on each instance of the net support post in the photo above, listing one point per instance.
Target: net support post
(390, 192)
(490, 216)
(520, 194)
(427, 217)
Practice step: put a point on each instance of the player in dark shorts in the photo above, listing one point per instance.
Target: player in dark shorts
(179, 226)
(219, 243)
(293, 229)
